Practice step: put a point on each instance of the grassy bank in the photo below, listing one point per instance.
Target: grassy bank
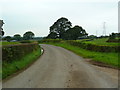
(107, 58)
(10, 68)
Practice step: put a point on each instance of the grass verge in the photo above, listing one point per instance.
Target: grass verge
(106, 58)
(10, 68)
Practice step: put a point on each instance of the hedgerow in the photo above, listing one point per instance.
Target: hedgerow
(97, 48)
(15, 52)
(87, 46)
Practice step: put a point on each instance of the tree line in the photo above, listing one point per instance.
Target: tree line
(61, 29)
(17, 37)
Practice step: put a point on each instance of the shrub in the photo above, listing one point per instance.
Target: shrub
(13, 52)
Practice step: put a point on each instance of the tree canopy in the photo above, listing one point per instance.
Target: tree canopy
(63, 29)
(2, 32)
(17, 37)
(28, 35)
(75, 33)
(8, 38)
(52, 35)
(1, 29)
(60, 26)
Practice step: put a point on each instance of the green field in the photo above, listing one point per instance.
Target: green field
(101, 42)
(106, 58)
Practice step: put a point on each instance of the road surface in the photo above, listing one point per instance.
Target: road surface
(60, 68)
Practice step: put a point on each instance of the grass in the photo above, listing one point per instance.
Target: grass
(10, 68)
(107, 58)
(101, 41)
(9, 43)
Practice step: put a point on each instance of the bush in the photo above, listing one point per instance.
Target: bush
(15, 52)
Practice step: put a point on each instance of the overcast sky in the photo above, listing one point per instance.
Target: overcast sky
(38, 15)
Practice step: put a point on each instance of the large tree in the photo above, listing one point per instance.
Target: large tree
(60, 27)
(17, 37)
(75, 33)
(28, 35)
(8, 38)
(52, 35)
(63, 29)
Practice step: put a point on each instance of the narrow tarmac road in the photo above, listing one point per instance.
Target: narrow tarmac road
(60, 68)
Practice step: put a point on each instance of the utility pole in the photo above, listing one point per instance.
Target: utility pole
(104, 28)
